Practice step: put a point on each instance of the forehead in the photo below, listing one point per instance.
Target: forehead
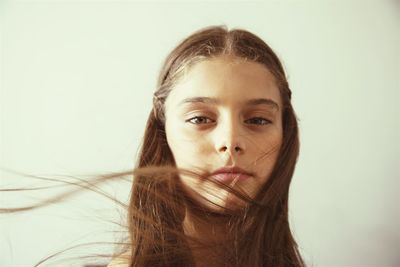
(227, 79)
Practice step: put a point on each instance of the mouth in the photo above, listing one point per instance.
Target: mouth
(230, 174)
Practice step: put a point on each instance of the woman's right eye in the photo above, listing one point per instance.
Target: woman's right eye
(199, 120)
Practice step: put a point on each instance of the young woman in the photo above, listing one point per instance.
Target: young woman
(211, 184)
(219, 151)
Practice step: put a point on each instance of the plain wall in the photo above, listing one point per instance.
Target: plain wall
(77, 79)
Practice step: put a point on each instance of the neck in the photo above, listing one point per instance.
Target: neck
(206, 235)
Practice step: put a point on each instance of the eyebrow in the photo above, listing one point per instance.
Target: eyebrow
(251, 102)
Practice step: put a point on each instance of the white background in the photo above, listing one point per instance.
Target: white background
(76, 84)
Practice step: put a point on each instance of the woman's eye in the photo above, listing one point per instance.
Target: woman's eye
(199, 120)
(258, 121)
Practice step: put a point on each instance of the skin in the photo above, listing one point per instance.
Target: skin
(203, 133)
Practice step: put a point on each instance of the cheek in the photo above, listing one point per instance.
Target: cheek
(188, 147)
(265, 154)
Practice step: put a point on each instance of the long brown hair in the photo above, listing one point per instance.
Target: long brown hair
(258, 235)
(261, 235)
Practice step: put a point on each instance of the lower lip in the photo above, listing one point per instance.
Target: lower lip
(228, 177)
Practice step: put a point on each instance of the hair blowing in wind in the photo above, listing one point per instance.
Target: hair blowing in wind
(160, 205)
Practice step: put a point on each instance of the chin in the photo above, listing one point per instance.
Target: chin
(232, 205)
(214, 199)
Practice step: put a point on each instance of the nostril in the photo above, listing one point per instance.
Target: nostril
(235, 149)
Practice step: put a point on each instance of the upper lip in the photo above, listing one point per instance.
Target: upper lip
(230, 169)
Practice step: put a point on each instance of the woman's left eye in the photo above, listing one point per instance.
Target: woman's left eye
(258, 121)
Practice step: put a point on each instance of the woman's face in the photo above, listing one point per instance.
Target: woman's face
(225, 112)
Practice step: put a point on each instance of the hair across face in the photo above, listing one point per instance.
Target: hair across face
(224, 112)
(222, 100)
(244, 50)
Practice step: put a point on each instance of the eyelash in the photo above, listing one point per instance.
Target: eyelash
(265, 121)
(197, 117)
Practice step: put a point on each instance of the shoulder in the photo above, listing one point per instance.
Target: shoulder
(120, 261)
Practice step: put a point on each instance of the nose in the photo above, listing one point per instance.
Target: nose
(229, 138)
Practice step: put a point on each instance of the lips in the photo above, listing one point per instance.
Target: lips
(227, 174)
